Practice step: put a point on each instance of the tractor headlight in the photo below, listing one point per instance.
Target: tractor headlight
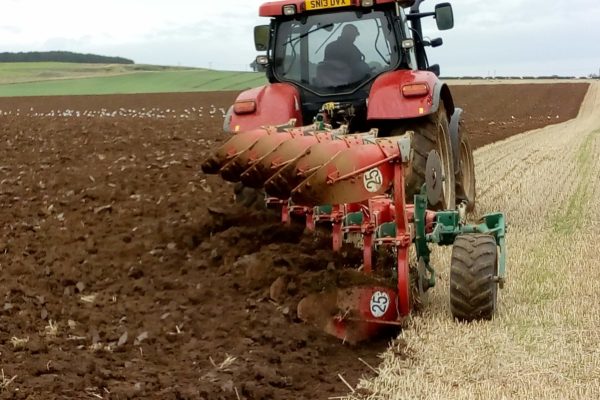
(289, 9)
(408, 44)
(367, 3)
(262, 60)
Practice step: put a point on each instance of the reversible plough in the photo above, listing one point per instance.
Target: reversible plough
(356, 184)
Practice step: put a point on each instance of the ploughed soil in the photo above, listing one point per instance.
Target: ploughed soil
(127, 273)
(495, 112)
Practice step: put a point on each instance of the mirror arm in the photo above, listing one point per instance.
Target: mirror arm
(414, 16)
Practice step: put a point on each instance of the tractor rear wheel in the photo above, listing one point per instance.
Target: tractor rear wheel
(473, 289)
(465, 179)
(431, 133)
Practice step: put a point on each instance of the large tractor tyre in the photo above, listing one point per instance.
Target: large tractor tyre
(431, 133)
(465, 177)
(473, 287)
(249, 197)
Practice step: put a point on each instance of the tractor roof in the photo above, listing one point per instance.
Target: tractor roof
(275, 8)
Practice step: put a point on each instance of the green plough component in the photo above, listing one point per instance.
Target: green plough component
(386, 230)
(353, 218)
(322, 210)
(449, 225)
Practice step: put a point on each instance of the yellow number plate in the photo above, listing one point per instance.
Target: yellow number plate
(321, 4)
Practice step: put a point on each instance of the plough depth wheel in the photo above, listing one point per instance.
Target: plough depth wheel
(473, 287)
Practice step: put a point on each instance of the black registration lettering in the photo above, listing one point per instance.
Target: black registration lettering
(317, 4)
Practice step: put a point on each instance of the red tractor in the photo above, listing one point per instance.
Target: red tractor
(356, 132)
(365, 60)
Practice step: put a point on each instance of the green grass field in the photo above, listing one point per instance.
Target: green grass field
(49, 79)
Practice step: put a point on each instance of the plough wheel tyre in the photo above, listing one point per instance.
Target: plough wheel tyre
(465, 180)
(431, 133)
(473, 290)
(249, 197)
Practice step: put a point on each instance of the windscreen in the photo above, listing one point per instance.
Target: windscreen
(335, 53)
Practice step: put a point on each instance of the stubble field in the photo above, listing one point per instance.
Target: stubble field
(126, 273)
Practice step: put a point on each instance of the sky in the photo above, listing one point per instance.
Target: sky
(490, 38)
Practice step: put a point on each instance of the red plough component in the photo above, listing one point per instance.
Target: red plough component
(264, 145)
(356, 175)
(382, 210)
(353, 314)
(351, 172)
(352, 176)
(289, 177)
(234, 147)
(261, 171)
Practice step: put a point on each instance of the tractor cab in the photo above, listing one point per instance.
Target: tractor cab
(335, 53)
(333, 50)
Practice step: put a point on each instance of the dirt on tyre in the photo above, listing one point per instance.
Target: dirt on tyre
(431, 133)
(473, 287)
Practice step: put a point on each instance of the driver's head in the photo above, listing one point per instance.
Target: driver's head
(350, 32)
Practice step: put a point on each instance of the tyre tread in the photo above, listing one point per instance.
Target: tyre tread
(473, 291)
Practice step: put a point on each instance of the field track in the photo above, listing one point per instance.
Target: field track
(545, 342)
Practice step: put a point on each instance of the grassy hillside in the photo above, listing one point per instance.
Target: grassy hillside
(20, 72)
(47, 79)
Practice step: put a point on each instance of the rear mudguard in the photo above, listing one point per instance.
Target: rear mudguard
(276, 104)
(386, 101)
(455, 138)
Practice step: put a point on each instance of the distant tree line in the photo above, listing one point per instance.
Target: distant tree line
(62, 56)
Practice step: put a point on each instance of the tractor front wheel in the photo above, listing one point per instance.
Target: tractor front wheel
(473, 288)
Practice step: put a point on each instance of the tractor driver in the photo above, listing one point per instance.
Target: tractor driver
(344, 52)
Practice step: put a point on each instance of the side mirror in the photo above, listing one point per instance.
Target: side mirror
(263, 61)
(437, 42)
(261, 37)
(444, 17)
(435, 68)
